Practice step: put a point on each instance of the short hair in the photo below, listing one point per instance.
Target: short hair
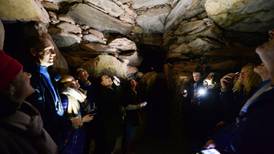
(40, 42)
(79, 70)
(196, 72)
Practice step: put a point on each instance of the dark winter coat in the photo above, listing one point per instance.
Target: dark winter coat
(22, 132)
(43, 100)
(253, 132)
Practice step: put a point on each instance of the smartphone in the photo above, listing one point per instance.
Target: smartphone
(210, 151)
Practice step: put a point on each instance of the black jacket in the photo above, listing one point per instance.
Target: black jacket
(253, 133)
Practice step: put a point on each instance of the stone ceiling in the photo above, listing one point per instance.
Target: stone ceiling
(191, 31)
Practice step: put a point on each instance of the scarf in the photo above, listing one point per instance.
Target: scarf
(75, 97)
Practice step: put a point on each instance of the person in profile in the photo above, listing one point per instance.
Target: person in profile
(252, 132)
(46, 97)
(21, 126)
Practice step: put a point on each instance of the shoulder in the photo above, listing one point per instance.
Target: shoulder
(263, 109)
(266, 99)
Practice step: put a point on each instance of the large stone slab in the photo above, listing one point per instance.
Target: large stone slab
(153, 20)
(106, 63)
(242, 15)
(133, 60)
(175, 15)
(23, 10)
(191, 27)
(101, 48)
(65, 18)
(67, 27)
(137, 4)
(93, 38)
(66, 39)
(97, 34)
(123, 44)
(108, 7)
(184, 9)
(129, 15)
(196, 47)
(84, 14)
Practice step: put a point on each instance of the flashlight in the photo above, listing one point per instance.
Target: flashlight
(202, 91)
(116, 81)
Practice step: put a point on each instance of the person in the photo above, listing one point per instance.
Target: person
(83, 78)
(209, 82)
(21, 127)
(109, 116)
(195, 95)
(236, 88)
(46, 97)
(252, 132)
(196, 117)
(134, 122)
(75, 103)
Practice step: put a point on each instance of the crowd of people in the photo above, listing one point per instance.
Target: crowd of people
(44, 112)
(47, 112)
(235, 116)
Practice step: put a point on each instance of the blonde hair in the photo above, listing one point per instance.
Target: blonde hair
(252, 80)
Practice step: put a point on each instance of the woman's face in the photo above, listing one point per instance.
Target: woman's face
(244, 74)
(22, 86)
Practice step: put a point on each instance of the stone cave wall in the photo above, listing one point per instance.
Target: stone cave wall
(106, 34)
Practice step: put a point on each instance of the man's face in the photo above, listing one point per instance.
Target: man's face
(83, 75)
(22, 85)
(133, 83)
(106, 81)
(46, 57)
(266, 53)
(196, 76)
(71, 82)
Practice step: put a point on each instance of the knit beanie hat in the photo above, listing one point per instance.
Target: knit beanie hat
(9, 68)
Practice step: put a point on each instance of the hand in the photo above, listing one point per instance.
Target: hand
(87, 118)
(76, 121)
(227, 81)
(210, 144)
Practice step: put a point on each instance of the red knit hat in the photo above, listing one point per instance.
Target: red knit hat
(9, 68)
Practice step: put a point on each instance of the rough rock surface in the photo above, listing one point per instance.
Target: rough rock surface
(82, 13)
(242, 15)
